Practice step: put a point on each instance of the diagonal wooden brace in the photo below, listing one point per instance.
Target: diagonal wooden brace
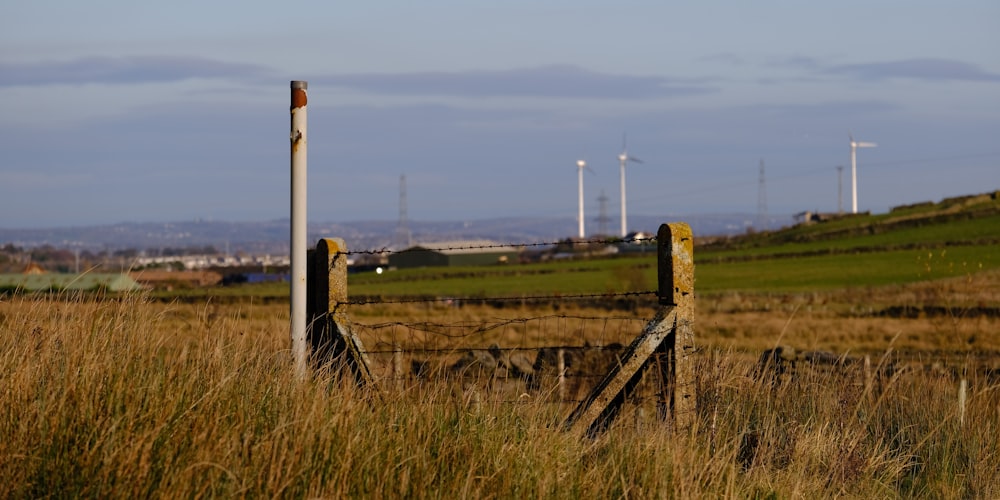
(601, 406)
(669, 336)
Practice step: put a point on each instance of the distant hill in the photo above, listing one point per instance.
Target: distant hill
(272, 236)
(963, 220)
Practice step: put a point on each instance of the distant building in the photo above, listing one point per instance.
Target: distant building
(637, 241)
(453, 253)
(267, 277)
(809, 217)
(169, 280)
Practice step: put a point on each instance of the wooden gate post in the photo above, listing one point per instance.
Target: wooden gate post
(675, 273)
(332, 341)
(668, 337)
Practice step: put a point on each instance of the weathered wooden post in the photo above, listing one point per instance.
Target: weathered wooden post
(397, 366)
(675, 273)
(668, 337)
(868, 374)
(962, 388)
(561, 366)
(332, 341)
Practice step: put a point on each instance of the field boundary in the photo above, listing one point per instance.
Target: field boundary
(667, 341)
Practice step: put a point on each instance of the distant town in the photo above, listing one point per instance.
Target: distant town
(208, 253)
(150, 239)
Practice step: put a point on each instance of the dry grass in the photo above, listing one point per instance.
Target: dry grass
(124, 397)
(850, 320)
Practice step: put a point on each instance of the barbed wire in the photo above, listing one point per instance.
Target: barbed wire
(386, 348)
(455, 299)
(534, 399)
(472, 328)
(418, 248)
(442, 351)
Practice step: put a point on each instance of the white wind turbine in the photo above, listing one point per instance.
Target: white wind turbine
(624, 158)
(854, 169)
(580, 165)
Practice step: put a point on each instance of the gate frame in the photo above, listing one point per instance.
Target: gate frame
(667, 341)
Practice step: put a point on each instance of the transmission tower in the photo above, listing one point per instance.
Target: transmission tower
(403, 235)
(762, 200)
(602, 218)
(840, 189)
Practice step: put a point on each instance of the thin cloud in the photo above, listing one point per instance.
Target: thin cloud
(122, 70)
(727, 58)
(559, 81)
(795, 62)
(918, 69)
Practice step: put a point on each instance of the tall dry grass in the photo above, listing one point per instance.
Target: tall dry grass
(125, 398)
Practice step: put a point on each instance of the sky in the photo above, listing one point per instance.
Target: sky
(121, 111)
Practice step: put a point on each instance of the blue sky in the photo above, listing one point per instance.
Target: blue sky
(115, 111)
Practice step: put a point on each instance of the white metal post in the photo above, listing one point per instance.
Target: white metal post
(580, 164)
(624, 217)
(298, 228)
(854, 178)
(854, 170)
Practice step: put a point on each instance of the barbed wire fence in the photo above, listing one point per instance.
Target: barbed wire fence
(554, 349)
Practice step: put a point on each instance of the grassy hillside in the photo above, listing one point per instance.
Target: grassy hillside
(955, 221)
(953, 238)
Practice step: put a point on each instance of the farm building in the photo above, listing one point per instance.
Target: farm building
(112, 282)
(169, 280)
(453, 253)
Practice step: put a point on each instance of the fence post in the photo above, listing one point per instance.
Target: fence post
(332, 340)
(297, 235)
(561, 366)
(675, 273)
(397, 366)
(962, 388)
(669, 335)
(868, 374)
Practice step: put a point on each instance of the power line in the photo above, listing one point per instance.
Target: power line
(687, 191)
(403, 234)
(762, 200)
(603, 219)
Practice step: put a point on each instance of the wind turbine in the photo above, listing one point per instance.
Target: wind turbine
(854, 169)
(580, 165)
(624, 158)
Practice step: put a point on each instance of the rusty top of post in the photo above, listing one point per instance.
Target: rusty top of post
(299, 93)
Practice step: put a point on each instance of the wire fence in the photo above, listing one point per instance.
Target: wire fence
(556, 348)
(519, 245)
(550, 348)
(557, 357)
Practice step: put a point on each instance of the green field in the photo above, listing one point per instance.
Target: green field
(790, 274)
